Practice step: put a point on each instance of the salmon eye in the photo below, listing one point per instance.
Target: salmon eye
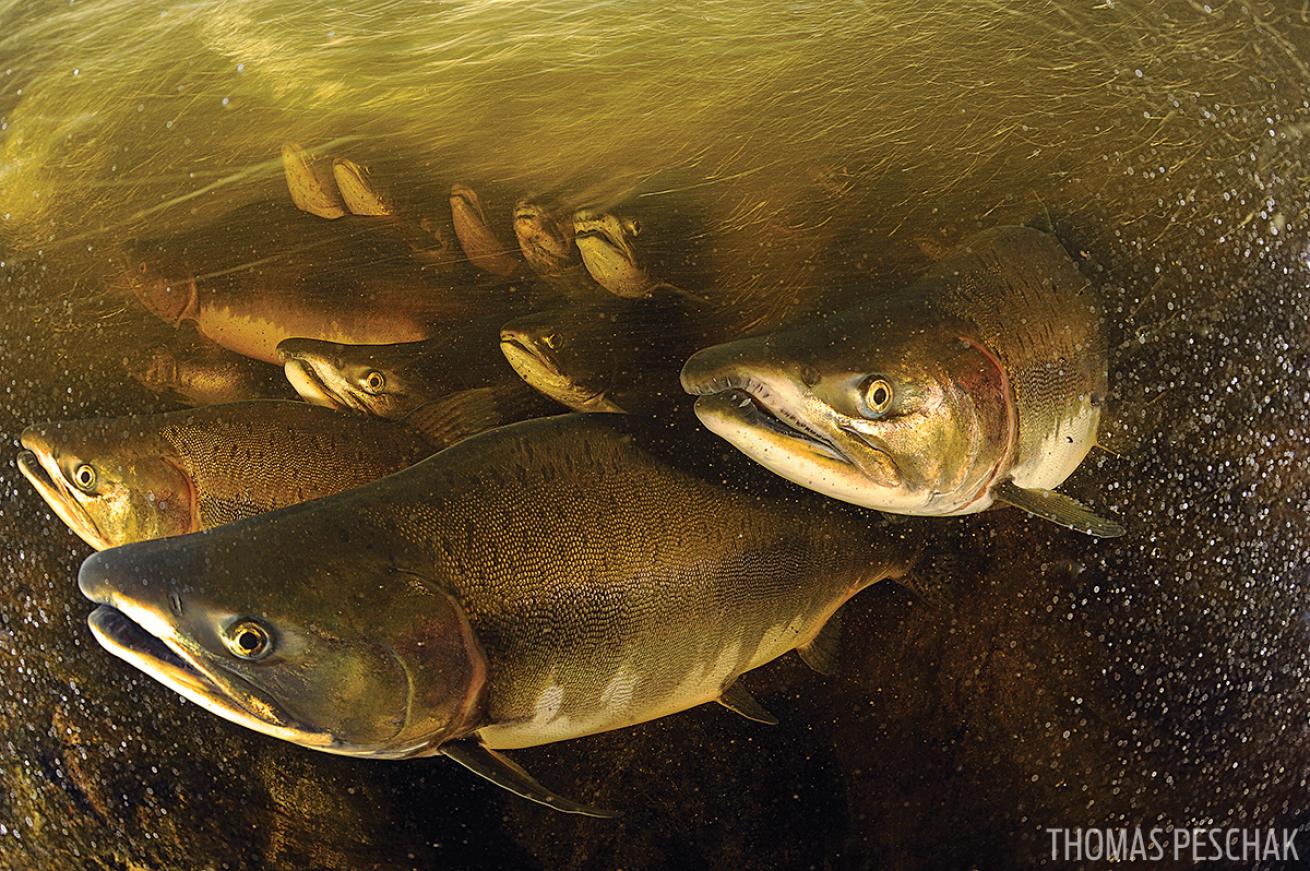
(632, 226)
(84, 476)
(877, 396)
(374, 382)
(553, 340)
(248, 640)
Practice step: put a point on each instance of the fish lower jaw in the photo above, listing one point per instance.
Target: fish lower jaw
(164, 662)
(304, 379)
(539, 373)
(61, 501)
(523, 357)
(739, 408)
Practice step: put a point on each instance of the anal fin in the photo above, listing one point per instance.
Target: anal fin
(1058, 508)
(500, 770)
(738, 699)
(823, 652)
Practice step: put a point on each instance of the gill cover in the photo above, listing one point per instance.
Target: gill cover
(902, 413)
(110, 483)
(390, 674)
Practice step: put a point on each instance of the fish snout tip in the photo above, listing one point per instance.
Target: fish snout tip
(691, 376)
(35, 438)
(94, 577)
(292, 349)
(711, 370)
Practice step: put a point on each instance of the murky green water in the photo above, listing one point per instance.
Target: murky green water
(784, 160)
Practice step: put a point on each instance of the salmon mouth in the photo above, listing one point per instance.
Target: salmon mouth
(467, 199)
(41, 471)
(314, 389)
(747, 403)
(536, 240)
(746, 413)
(164, 660)
(146, 638)
(543, 373)
(523, 353)
(600, 247)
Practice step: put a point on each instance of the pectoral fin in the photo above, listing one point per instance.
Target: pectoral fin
(822, 653)
(310, 183)
(736, 698)
(1057, 508)
(503, 772)
(464, 413)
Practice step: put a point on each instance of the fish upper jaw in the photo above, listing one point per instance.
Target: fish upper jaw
(121, 632)
(784, 426)
(728, 383)
(544, 249)
(307, 383)
(609, 257)
(754, 402)
(145, 638)
(39, 466)
(316, 387)
(525, 355)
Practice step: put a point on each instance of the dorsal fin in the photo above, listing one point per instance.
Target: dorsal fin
(464, 413)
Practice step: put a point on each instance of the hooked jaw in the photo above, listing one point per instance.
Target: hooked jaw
(41, 468)
(608, 255)
(773, 418)
(133, 629)
(480, 243)
(539, 368)
(543, 240)
(311, 372)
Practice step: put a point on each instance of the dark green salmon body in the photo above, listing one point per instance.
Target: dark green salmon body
(543, 581)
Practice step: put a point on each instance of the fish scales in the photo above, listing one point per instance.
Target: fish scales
(543, 581)
(599, 533)
(1040, 316)
(219, 452)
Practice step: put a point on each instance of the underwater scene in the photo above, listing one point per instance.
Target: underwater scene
(594, 434)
